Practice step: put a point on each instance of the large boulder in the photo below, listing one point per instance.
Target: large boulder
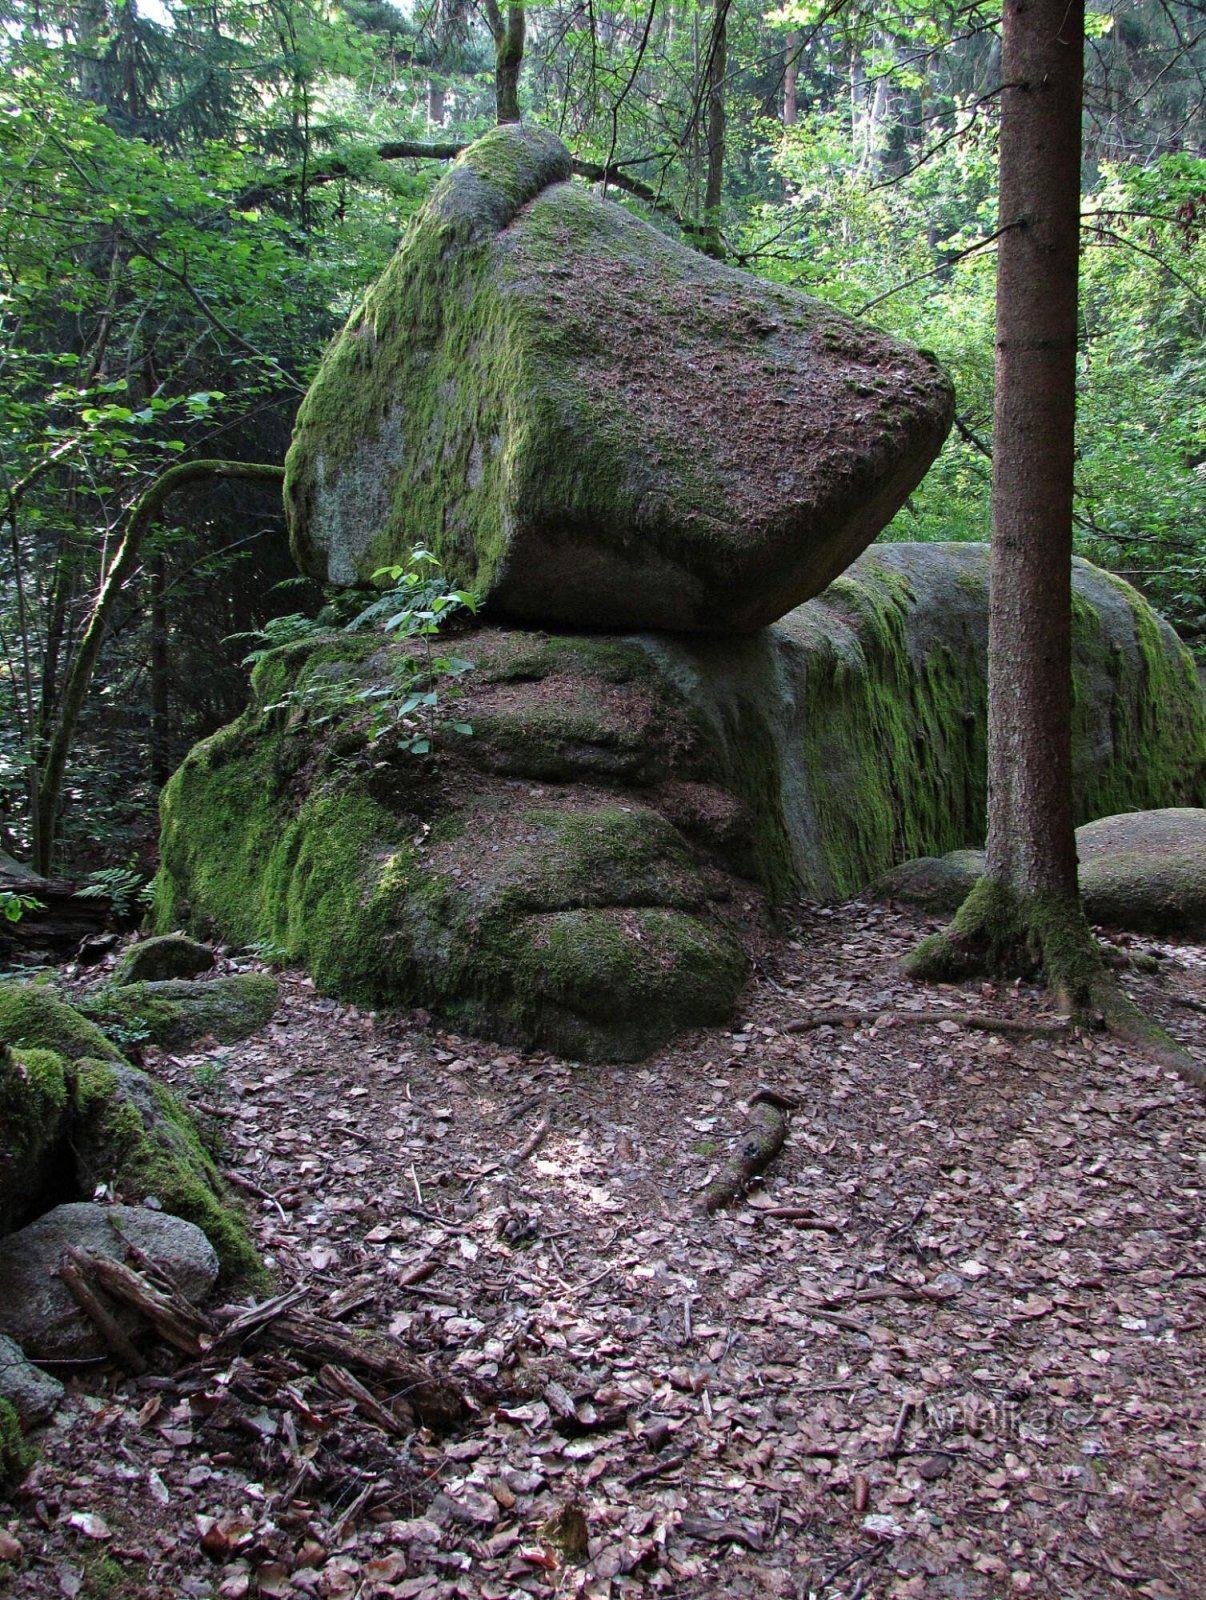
(577, 873)
(36, 1308)
(594, 424)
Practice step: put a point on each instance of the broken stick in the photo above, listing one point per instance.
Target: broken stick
(755, 1151)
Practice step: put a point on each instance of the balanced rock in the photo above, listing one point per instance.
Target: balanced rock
(36, 1308)
(592, 423)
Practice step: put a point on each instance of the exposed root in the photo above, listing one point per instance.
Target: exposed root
(996, 933)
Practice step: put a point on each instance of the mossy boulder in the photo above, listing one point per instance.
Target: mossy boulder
(171, 955)
(16, 1456)
(32, 1015)
(1144, 871)
(594, 424)
(34, 1105)
(582, 872)
(132, 1135)
(74, 1114)
(179, 1012)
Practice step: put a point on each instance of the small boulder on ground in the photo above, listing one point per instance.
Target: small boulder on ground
(132, 1135)
(1144, 871)
(594, 424)
(32, 1393)
(170, 955)
(36, 1308)
(179, 1012)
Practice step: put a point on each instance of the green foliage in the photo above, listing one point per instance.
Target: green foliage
(124, 887)
(13, 906)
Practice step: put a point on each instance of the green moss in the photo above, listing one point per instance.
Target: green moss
(16, 1457)
(894, 744)
(31, 1016)
(136, 1135)
(1136, 687)
(178, 1011)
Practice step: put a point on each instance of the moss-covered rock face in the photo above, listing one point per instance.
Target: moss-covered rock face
(595, 424)
(33, 1123)
(132, 1134)
(572, 874)
(178, 1012)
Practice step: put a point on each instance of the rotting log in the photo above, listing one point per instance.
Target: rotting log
(756, 1149)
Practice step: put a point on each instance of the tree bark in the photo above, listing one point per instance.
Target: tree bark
(1027, 911)
(140, 520)
(509, 34)
(714, 177)
(791, 78)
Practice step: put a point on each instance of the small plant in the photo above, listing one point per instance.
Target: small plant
(123, 887)
(14, 906)
(416, 606)
(277, 631)
(270, 953)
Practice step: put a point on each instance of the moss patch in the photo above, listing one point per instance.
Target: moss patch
(134, 1134)
(31, 1015)
(177, 1012)
(33, 1116)
(16, 1456)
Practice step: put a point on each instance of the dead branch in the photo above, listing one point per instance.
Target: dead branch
(435, 1402)
(980, 1020)
(73, 1274)
(755, 1151)
(174, 1318)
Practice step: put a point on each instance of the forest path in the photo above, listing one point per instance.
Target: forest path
(971, 1365)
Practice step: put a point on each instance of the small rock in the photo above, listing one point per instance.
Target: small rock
(32, 1393)
(171, 955)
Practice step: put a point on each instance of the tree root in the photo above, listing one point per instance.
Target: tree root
(995, 932)
(981, 1020)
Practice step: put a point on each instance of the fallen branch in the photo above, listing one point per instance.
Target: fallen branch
(337, 1380)
(174, 1318)
(435, 1402)
(658, 1469)
(535, 1139)
(73, 1273)
(980, 1020)
(754, 1152)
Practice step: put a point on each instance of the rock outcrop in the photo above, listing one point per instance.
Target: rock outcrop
(582, 872)
(594, 424)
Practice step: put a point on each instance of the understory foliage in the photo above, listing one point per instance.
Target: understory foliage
(194, 198)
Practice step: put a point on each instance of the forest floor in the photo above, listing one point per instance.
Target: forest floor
(968, 1362)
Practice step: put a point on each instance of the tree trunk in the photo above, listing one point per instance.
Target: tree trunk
(791, 78)
(509, 34)
(160, 740)
(141, 519)
(714, 179)
(435, 104)
(1027, 909)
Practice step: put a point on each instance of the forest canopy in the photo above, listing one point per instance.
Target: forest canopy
(196, 195)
